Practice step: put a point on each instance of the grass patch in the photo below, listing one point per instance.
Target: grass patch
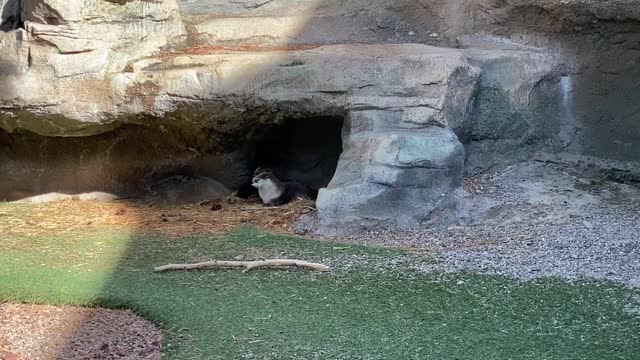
(365, 312)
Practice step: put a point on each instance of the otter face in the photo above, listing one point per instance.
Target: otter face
(261, 180)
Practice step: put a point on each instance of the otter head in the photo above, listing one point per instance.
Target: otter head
(262, 179)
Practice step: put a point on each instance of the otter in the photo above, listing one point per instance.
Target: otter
(274, 192)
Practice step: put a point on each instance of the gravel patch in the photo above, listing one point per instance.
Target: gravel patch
(51, 332)
(561, 218)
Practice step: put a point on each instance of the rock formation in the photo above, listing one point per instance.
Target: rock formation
(115, 95)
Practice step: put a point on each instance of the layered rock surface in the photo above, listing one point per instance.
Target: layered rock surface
(115, 93)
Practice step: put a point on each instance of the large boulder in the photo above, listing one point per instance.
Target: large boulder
(394, 179)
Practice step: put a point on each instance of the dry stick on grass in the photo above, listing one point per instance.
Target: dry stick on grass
(247, 265)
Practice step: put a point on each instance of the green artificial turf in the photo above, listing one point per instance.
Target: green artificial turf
(367, 311)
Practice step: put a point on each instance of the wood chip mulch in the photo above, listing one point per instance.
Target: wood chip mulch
(72, 333)
(73, 216)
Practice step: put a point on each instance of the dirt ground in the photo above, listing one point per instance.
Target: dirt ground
(50, 332)
(76, 216)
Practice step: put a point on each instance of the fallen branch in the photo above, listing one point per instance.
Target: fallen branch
(247, 265)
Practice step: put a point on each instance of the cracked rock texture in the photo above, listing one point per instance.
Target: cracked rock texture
(113, 95)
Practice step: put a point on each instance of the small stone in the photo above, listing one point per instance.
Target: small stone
(411, 33)
(434, 35)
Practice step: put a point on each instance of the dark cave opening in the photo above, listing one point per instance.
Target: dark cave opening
(10, 15)
(144, 161)
(301, 150)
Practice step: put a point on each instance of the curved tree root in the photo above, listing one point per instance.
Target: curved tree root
(247, 265)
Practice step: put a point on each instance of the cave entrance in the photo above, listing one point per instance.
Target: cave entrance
(302, 150)
(149, 163)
